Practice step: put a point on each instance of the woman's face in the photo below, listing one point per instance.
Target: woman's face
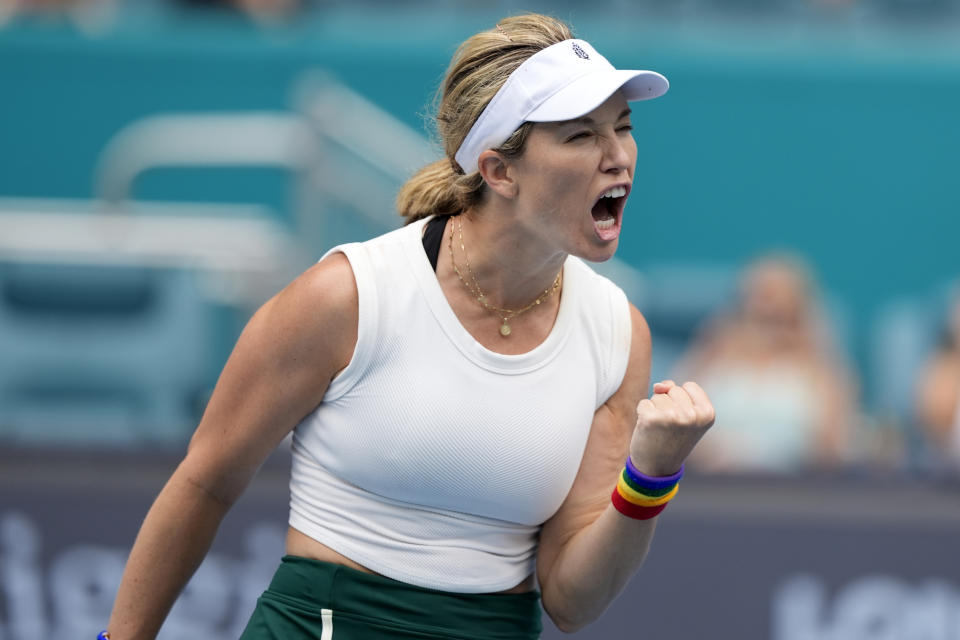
(775, 294)
(565, 171)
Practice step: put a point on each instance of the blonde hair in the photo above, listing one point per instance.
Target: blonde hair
(480, 66)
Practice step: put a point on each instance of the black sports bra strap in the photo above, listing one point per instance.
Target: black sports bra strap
(433, 239)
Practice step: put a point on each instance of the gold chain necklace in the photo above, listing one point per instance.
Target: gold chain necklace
(474, 287)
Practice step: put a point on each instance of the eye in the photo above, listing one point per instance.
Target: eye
(625, 128)
(579, 136)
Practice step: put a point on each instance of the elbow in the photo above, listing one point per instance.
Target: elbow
(567, 627)
(567, 616)
(568, 623)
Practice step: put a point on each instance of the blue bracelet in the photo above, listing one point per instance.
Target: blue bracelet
(103, 635)
(651, 482)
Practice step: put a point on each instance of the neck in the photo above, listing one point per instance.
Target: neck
(504, 259)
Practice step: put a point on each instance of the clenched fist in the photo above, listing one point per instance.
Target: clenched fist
(669, 424)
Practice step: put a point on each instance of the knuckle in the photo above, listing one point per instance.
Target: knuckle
(675, 416)
(694, 390)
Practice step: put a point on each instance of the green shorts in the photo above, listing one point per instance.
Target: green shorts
(324, 601)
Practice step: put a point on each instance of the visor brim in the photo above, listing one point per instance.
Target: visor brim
(588, 92)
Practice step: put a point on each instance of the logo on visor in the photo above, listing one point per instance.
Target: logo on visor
(580, 52)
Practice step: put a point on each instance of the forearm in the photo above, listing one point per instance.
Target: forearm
(598, 538)
(593, 568)
(173, 540)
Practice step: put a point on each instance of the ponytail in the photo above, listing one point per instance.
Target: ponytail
(437, 189)
(480, 66)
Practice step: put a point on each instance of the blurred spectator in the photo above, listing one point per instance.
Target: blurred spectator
(783, 395)
(937, 395)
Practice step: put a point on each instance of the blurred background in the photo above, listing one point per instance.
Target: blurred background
(792, 238)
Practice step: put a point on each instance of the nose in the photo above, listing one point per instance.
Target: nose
(618, 154)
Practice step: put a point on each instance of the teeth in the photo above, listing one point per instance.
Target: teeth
(606, 223)
(615, 192)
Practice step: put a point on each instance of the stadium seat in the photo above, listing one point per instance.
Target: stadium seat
(100, 354)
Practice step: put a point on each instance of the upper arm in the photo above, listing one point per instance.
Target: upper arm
(278, 372)
(606, 451)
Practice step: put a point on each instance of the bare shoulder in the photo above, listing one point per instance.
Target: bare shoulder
(311, 323)
(322, 297)
(278, 373)
(329, 284)
(332, 279)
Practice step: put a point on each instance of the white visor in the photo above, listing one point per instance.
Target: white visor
(562, 82)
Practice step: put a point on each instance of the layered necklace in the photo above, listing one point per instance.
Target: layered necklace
(473, 286)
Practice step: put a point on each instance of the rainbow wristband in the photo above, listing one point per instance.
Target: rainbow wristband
(643, 481)
(633, 510)
(642, 497)
(651, 493)
(642, 500)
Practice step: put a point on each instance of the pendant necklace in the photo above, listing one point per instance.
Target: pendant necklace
(473, 286)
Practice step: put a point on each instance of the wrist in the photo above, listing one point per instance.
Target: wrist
(653, 467)
(641, 496)
(652, 481)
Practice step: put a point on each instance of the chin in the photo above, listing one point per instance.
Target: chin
(600, 253)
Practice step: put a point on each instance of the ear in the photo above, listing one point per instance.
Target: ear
(496, 173)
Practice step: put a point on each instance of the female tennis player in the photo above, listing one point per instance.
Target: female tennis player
(471, 436)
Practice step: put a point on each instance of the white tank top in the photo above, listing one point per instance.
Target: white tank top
(433, 460)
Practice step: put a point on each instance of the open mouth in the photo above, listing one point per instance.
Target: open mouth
(607, 211)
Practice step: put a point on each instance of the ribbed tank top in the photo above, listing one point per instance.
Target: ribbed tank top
(433, 460)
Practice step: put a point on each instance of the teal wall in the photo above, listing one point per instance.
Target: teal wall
(840, 146)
